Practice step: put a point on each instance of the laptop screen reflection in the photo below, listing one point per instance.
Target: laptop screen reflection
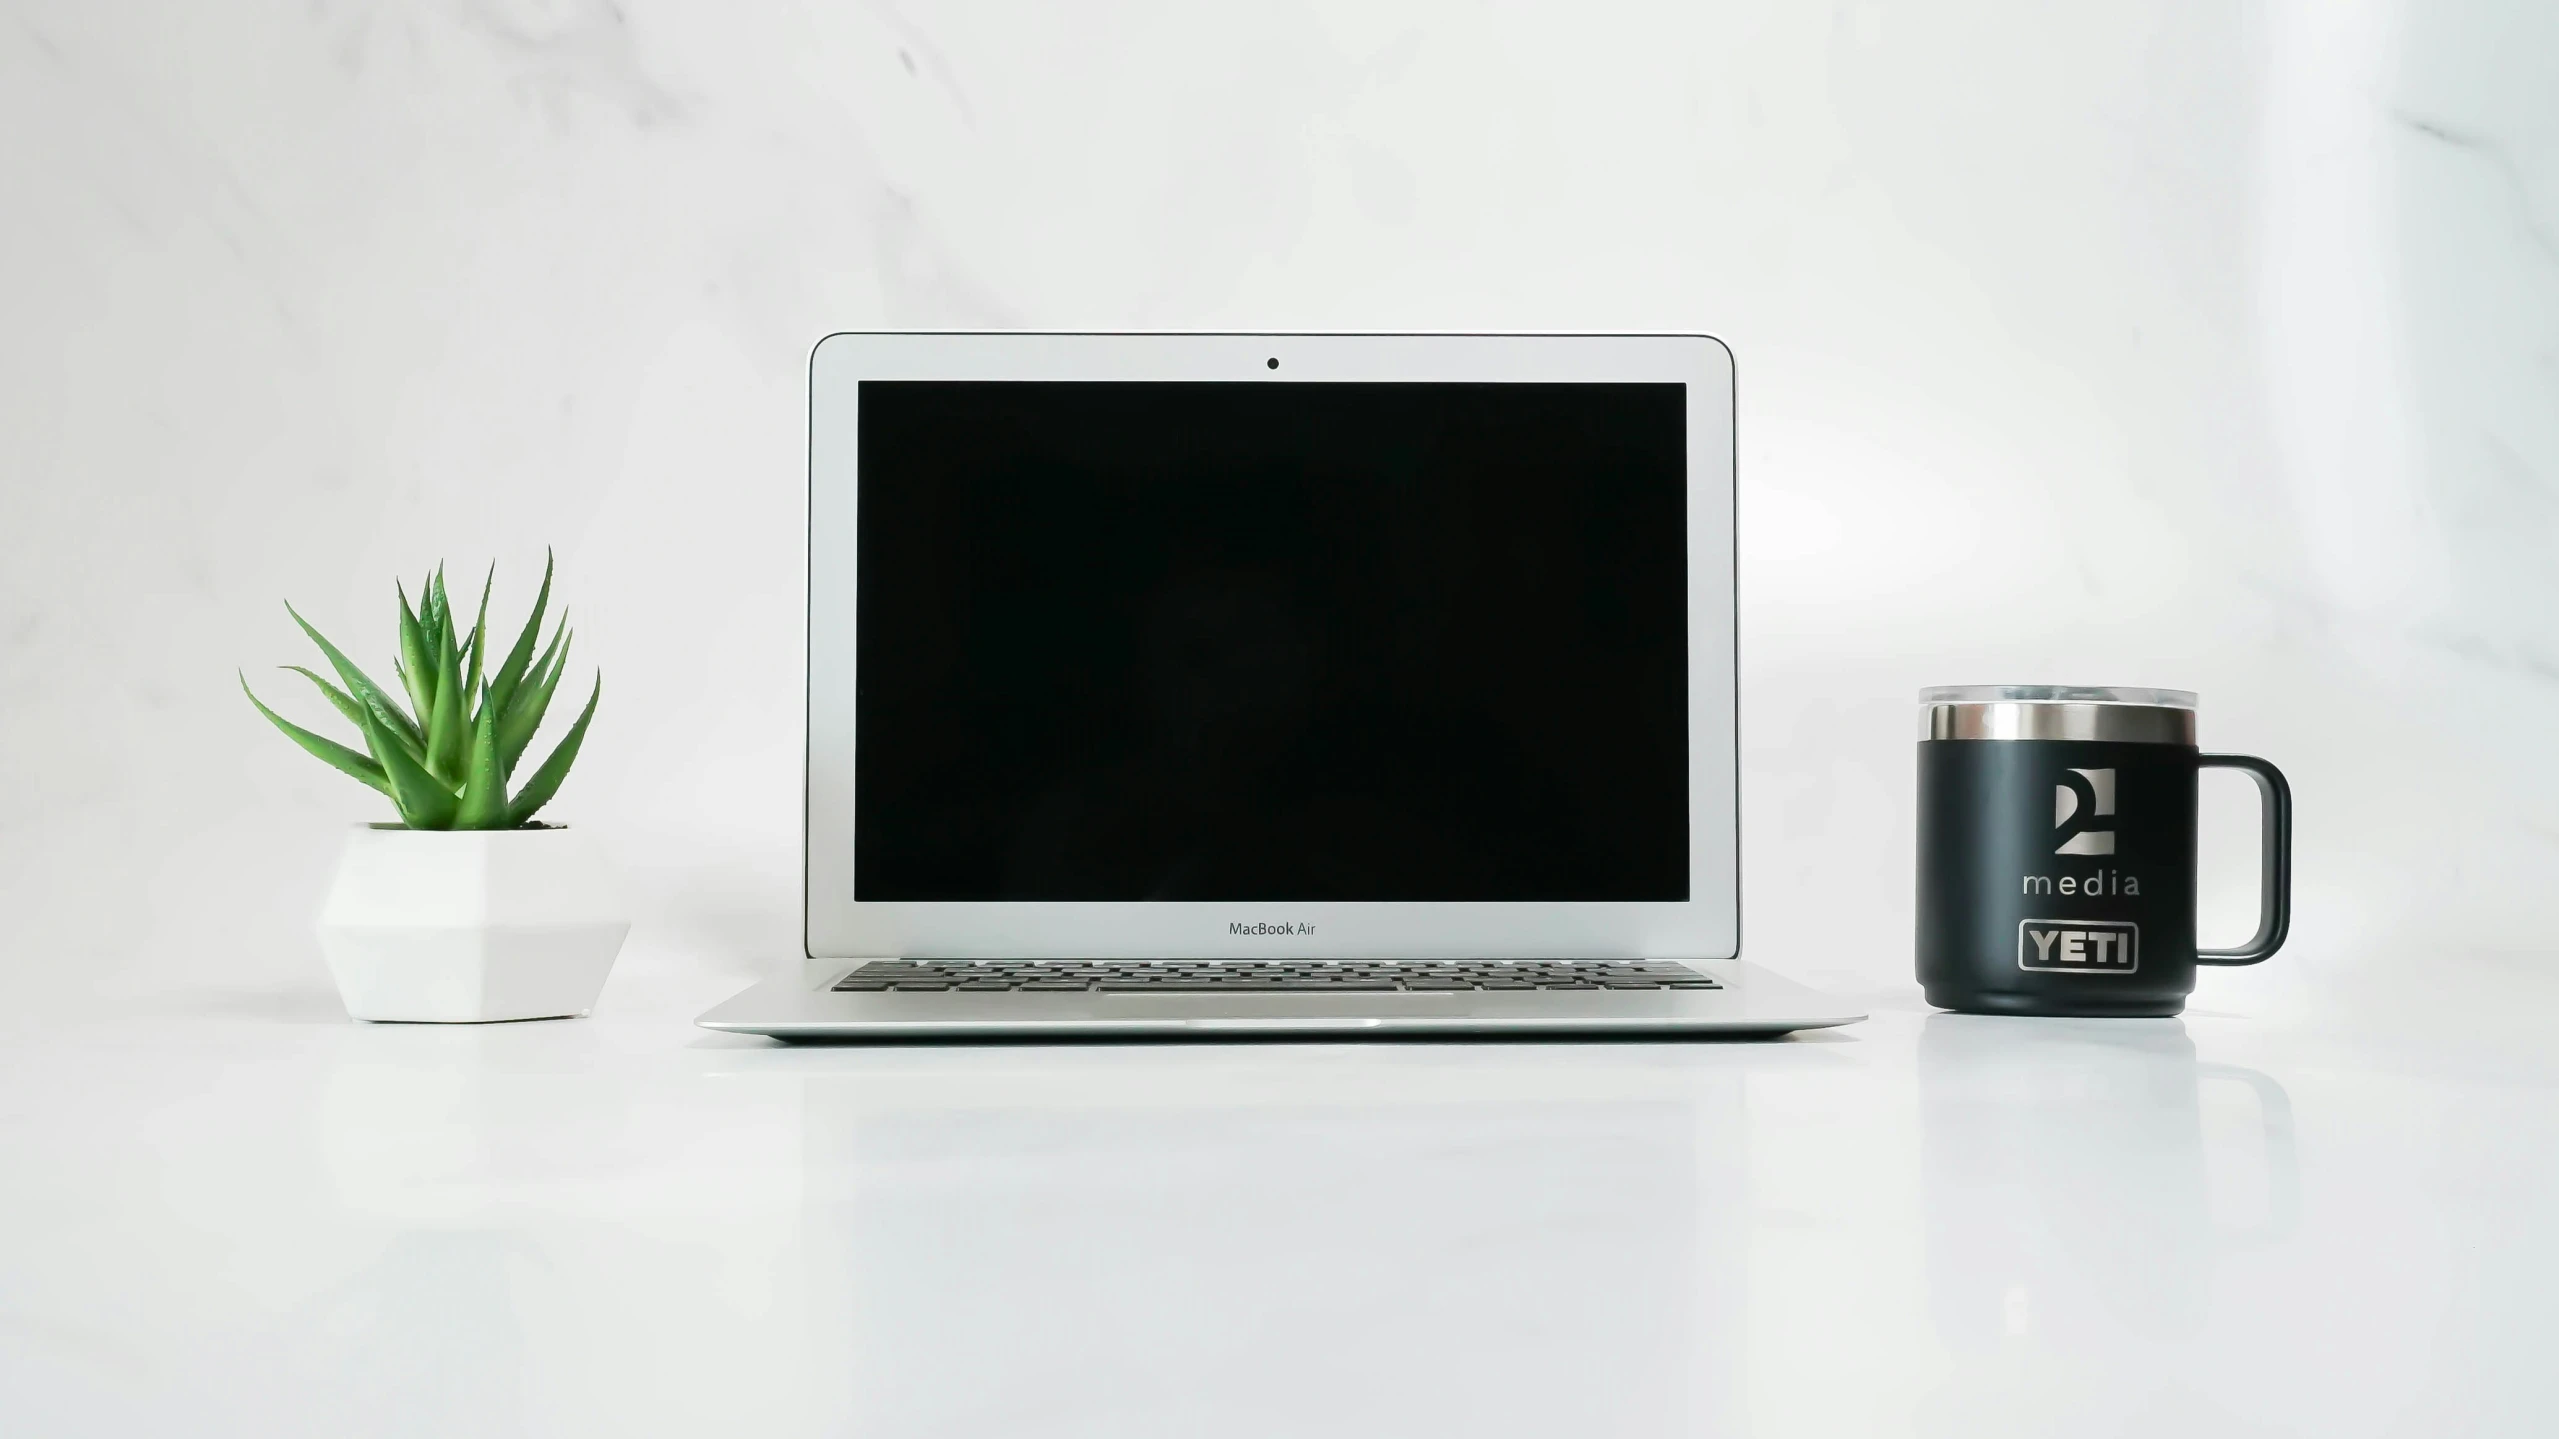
(1117, 1243)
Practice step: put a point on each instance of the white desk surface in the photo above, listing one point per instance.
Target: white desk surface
(2296, 1211)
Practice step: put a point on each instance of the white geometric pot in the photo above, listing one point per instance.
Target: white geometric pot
(467, 926)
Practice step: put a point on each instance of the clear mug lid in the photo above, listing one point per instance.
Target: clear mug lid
(2057, 695)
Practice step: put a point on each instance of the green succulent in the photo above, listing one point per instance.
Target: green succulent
(446, 761)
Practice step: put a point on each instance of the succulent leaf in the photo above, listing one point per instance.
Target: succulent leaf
(416, 675)
(533, 700)
(327, 751)
(424, 801)
(376, 704)
(538, 790)
(483, 803)
(353, 709)
(502, 686)
(471, 691)
(437, 619)
(448, 729)
(339, 699)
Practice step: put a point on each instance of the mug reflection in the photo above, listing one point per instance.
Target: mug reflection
(2070, 1197)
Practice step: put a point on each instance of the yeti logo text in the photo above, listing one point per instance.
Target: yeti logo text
(2079, 946)
(2084, 796)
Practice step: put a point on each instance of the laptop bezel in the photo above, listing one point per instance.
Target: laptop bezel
(1706, 925)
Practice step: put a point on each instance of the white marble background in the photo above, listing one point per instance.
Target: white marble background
(2212, 345)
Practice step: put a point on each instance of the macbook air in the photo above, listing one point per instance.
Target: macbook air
(1237, 685)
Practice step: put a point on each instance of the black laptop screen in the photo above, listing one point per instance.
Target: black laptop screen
(1282, 641)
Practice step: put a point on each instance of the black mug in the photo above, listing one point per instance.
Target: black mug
(2057, 850)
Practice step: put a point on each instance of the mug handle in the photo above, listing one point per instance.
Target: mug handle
(2274, 861)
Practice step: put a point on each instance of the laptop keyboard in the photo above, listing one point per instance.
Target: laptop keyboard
(1213, 976)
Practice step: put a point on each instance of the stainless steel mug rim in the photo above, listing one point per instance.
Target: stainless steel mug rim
(2055, 712)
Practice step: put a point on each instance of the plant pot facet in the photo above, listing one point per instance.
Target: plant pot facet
(463, 927)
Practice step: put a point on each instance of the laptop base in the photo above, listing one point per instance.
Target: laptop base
(1745, 1001)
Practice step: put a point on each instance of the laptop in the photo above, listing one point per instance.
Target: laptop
(1259, 685)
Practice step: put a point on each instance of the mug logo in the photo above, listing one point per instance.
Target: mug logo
(2079, 946)
(2084, 796)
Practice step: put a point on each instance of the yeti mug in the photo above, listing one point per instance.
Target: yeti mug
(2057, 850)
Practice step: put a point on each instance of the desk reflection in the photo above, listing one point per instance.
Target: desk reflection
(1482, 1241)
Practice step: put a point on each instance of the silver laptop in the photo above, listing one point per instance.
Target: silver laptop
(1371, 685)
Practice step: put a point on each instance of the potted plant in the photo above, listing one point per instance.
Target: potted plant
(467, 909)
